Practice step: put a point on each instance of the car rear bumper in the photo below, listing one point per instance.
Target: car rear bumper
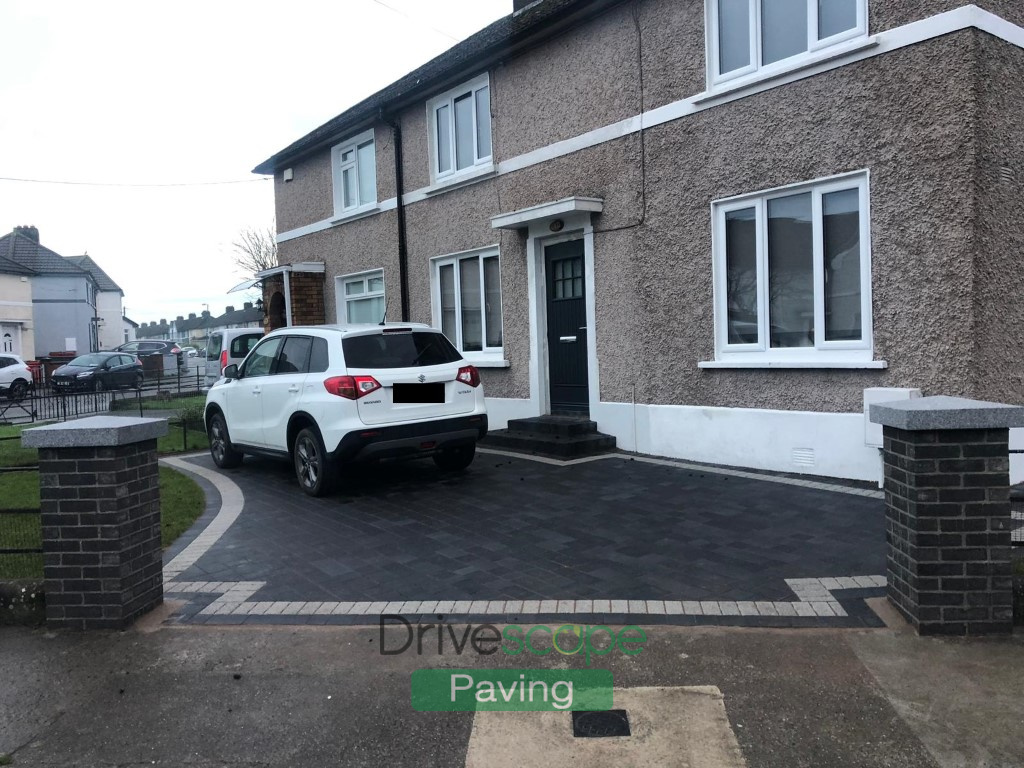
(411, 439)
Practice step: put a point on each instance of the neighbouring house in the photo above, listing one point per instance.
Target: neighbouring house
(109, 303)
(162, 331)
(715, 226)
(16, 329)
(67, 296)
(195, 330)
(129, 328)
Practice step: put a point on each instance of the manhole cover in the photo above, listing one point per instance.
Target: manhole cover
(611, 722)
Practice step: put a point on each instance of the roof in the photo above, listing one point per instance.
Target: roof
(130, 322)
(240, 317)
(25, 251)
(528, 26)
(9, 267)
(103, 281)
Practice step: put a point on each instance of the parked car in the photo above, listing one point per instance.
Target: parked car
(189, 351)
(98, 371)
(228, 347)
(326, 396)
(146, 348)
(15, 377)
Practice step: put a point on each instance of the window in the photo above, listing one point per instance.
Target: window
(361, 297)
(398, 350)
(294, 357)
(460, 130)
(354, 166)
(467, 300)
(261, 361)
(793, 274)
(747, 36)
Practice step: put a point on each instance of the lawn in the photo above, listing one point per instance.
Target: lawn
(181, 500)
(171, 403)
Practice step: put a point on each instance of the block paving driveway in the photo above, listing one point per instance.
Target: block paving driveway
(615, 540)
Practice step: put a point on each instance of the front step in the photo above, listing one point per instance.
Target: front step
(563, 437)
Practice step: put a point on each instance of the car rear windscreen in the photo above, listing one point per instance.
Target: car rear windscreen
(213, 348)
(392, 349)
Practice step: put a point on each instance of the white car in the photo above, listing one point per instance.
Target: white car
(328, 395)
(15, 377)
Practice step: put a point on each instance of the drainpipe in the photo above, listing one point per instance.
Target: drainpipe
(403, 253)
(287, 298)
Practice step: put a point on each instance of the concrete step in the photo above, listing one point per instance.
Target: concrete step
(548, 444)
(566, 426)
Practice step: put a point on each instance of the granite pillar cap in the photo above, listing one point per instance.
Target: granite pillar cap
(940, 412)
(94, 432)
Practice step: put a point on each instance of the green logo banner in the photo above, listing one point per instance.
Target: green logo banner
(511, 690)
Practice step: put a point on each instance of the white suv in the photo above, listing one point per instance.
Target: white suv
(328, 395)
(15, 377)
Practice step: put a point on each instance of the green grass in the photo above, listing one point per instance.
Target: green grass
(173, 403)
(181, 503)
(11, 452)
(175, 442)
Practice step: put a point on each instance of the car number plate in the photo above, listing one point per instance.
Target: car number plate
(419, 393)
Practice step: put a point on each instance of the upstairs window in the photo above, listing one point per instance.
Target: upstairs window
(460, 130)
(793, 273)
(354, 167)
(748, 36)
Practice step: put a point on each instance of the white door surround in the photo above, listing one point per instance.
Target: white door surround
(10, 338)
(574, 213)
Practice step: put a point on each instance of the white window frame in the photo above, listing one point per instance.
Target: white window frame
(342, 298)
(824, 353)
(337, 151)
(482, 164)
(816, 49)
(487, 354)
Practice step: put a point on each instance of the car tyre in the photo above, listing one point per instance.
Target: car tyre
(223, 453)
(313, 467)
(455, 459)
(99, 385)
(18, 390)
(140, 379)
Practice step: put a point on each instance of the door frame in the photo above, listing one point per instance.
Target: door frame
(577, 225)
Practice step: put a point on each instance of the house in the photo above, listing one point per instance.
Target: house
(195, 330)
(109, 303)
(16, 330)
(129, 329)
(714, 229)
(64, 295)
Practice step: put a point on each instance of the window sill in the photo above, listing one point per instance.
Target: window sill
(478, 173)
(754, 79)
(357, 213)
(487, 362)
(824, 363)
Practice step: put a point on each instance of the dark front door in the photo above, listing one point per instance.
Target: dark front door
(567, 331)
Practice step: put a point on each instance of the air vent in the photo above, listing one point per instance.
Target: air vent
(1007, 175)
(803, 457)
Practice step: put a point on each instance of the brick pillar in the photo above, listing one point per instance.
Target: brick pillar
(307, 298)
(100, 499)
(948, 512)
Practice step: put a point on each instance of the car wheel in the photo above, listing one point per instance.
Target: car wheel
(99, 385)
(139, 380)
(224, 455)
(18, 390)
(313, 468)
(455, 459)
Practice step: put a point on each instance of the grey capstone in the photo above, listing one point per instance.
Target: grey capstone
(940, 412)
(95, 431)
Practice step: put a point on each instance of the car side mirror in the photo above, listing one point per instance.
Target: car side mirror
(231, 372)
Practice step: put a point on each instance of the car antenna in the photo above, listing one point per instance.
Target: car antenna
(383, 320)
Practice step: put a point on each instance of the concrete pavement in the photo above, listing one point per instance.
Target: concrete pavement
(325, 696)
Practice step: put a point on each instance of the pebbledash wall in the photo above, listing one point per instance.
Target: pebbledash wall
(926, 109)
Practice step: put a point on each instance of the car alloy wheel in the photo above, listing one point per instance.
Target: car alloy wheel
(99, 385)
(18, 390)
(312, 466)
(224, 455)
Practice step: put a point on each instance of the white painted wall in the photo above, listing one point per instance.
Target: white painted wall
(109, 310)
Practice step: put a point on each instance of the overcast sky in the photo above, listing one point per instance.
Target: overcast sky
(143, 93)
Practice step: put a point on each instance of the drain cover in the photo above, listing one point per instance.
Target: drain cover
(611, 722)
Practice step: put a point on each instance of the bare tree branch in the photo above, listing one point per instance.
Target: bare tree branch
(255, 250)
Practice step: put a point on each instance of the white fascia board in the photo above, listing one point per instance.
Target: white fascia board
(301, 266)
(538, 213)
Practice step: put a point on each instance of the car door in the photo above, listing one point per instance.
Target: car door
(125, 371)
(282, 391)
(244, 401)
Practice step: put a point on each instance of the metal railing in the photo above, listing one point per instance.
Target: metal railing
(21, 533)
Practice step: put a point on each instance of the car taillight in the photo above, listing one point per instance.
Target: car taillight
(223, 360)
(469, 375)
(351, 387)
(175, 350)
